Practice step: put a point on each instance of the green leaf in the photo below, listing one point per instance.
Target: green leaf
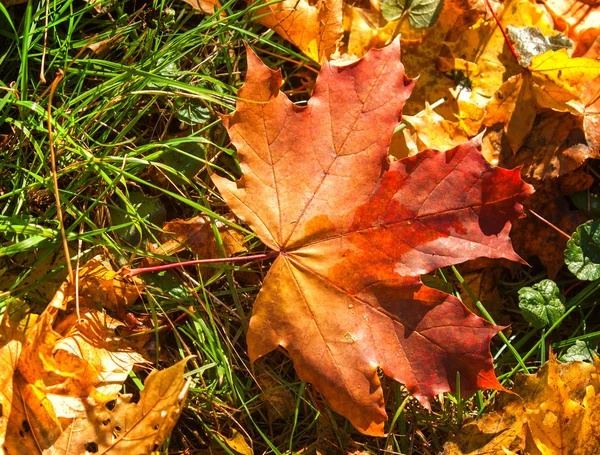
(530, 41)
(146, 208)
(542, 304)
(582, 255)
(191, 112)
(588, 202)
(580, 351)
(422, 13)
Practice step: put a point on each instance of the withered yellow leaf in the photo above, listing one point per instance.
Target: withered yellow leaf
(10, 349)
(556, 412)
(67, 368)
(129, 428)
(484, 45)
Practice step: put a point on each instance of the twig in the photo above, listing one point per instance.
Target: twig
(541, 218)
(55, 82)
(510, 46)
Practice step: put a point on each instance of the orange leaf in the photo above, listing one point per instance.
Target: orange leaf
(354, 232)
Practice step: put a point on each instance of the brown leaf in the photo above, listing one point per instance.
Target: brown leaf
(196, 234)
(277, 397)
(206, 6)
(555, 146)
(532, 237)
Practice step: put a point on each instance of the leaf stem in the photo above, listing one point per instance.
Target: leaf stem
(129, 273)
(510, 46)
(556, 228)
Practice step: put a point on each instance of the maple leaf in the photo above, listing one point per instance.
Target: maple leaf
(354, 233)
(552, 412)
(315, 27)
(68, 366)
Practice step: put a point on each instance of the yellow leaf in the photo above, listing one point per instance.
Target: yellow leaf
(484, 45)
(513, 104)
(129, 428)
(314, 27)
(556, 78)
(555, 413)
(434, 131)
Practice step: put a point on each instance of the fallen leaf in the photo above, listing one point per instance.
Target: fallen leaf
(483, 286)
(553, 412)
(556, 77)
(484, 45)
(533, 237)
(206, 6)
(237, 443)
(196, 234)
(581, 351)
(11, 341)
(514, 106)
(421, 13)
(555, 146)
(580, 19)
(433, 131)
(276, 396)
(130, 428)
(354, 231)
(531, 41)
(67, 367)
(315, 27)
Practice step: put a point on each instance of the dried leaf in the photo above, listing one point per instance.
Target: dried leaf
(197, 235)
(67, 367)
(206, 6)
(129, 428)
(530, 41)
(355, 232)
(555, 412)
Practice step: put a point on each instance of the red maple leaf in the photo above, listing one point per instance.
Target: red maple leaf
(354, 233)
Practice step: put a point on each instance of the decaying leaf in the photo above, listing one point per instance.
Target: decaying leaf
(531, 41)
(354, 232)
(129, 428)
(67, 367)
(196, 234)
(555, 412)
(206, 6)
(532, 237)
